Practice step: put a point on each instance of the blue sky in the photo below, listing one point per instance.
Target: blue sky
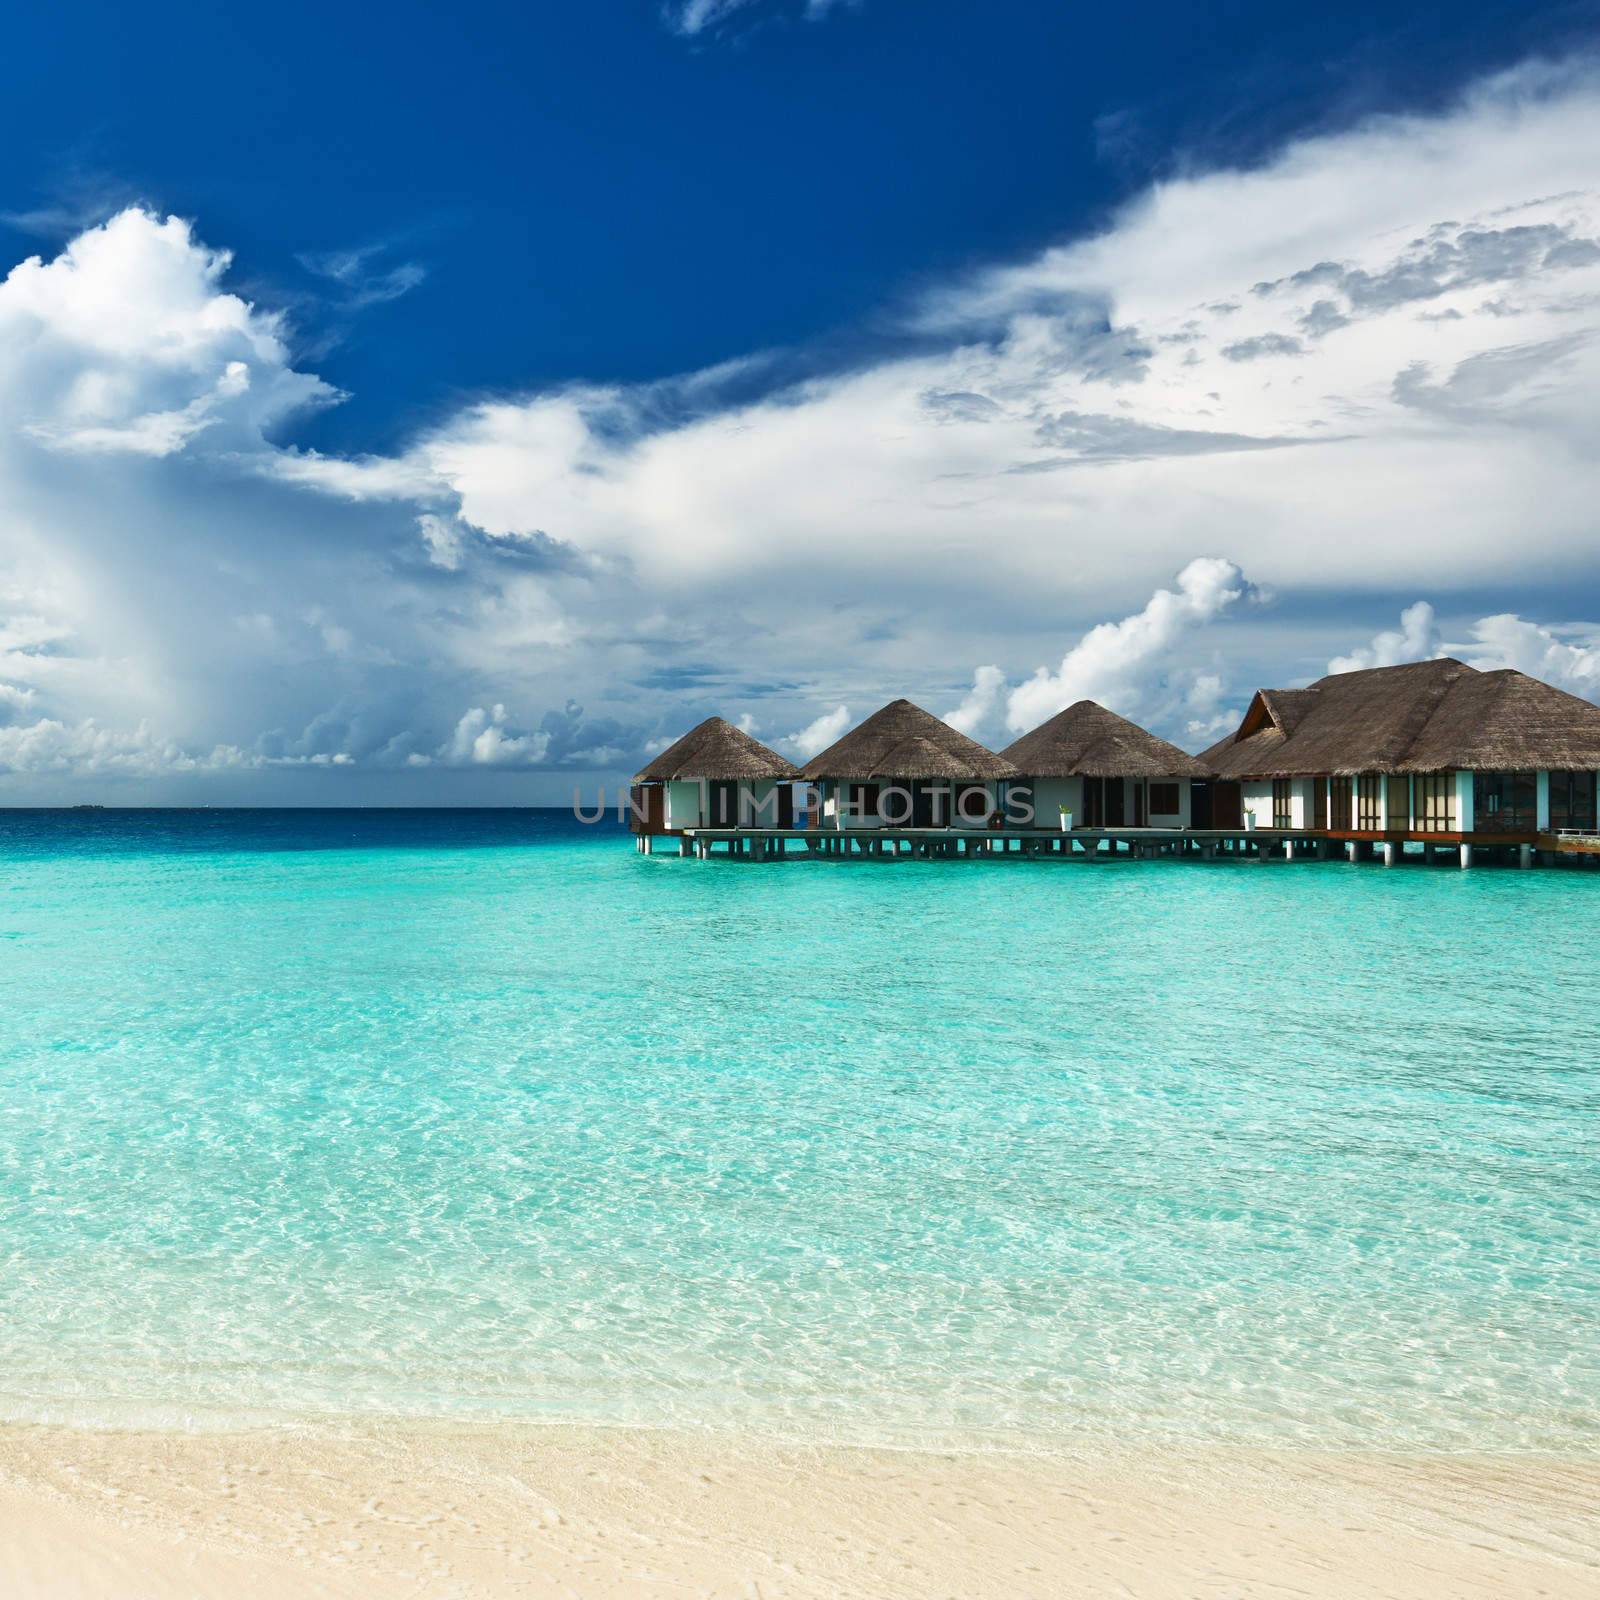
(436, 405)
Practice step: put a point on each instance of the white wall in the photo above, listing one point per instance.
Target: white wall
(1465, 821)
(1049, 795)
(683, 805)
(1541, 815)
(1258, 801)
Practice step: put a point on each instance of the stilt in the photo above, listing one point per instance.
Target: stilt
(1352, 851)
(1390, 852)
(1466, 855)
(1525, 855)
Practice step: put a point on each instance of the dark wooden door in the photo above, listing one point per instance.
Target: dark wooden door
(1227, 805)
(1200, 804)
(1116, 813)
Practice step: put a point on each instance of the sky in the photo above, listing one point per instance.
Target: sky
(409, 408)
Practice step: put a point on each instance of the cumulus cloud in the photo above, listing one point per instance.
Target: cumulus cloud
(1033, 448)
(1416, 639)
(1571, 663)
(126, 342)
(1117, 663)
(485, 738)
(982, 704)
(816, 736)
(1567, 656)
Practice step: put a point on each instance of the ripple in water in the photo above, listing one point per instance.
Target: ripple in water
(485, 1115)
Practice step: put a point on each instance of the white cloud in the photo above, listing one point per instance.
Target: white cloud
(443, 538)
(982, 704)
(485, 738)
(48, 746)
(1416, 639)
(125, 342)
(364, 282)
(1206, 716)
(1117, 663)
(695, 16)
(816, 736)
(1567, 656)
(1508, 640)
(1052, 441)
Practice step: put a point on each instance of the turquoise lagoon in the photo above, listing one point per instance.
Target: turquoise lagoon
(482, 1114)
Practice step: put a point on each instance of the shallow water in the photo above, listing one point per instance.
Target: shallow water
(481, 1113)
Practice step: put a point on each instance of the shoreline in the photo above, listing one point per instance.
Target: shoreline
(558, 1509)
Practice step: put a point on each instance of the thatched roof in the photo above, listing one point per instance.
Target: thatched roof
(716, 750)
(1508, 722)
(1425, 716)
(1088, 741)
(904, 741)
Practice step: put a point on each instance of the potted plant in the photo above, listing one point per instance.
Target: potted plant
(1066, 819)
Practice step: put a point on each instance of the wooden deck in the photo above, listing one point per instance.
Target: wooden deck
(1206, 844)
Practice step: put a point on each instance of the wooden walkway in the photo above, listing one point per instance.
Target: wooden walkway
(1206, 844)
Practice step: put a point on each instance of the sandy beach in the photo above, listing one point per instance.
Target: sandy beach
(451, 1511)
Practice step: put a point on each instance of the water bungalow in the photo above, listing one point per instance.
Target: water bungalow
(1103, 771)
(715, 776)
(904, 768)
(1432, 751)
(1433, 755)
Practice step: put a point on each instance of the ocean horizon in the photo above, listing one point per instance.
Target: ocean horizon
(479, 1115)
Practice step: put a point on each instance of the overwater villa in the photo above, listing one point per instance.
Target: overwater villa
(904, 768)
(715, 776)
(1103, 771)
(1434, 755)
(1433, 751)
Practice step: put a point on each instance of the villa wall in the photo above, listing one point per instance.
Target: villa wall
(1170, 819)
(683, 805)
(1050, 794)
(1258, 801)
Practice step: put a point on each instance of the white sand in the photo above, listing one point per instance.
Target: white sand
(564, 1512)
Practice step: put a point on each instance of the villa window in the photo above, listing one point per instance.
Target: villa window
(1505, 802)
(1435, 802)
(1572, 800)
(1399, 801)
(1163, 800)
(1283, 802)
(1369, 803)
